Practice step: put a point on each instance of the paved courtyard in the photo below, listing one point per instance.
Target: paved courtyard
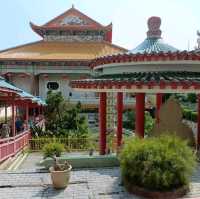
(30, 182)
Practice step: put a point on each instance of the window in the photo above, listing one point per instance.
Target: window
(52, 85)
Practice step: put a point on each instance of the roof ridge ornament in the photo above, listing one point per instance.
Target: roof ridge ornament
(154, 27)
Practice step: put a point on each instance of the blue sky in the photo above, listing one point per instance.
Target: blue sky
(180, 19)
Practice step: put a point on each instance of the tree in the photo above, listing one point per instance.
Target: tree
(62, 118)
(129, 121)
(191, 97)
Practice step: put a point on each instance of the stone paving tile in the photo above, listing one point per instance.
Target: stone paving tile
(28, 183)
(31, 161)
(84, 184)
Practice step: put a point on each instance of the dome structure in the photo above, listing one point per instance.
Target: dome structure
(154, 42)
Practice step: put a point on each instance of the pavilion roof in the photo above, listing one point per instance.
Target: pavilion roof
(166, 76)
(153, 45)
(60, 51)
(153, 48)
(146, 57)
(139, 80)
(5, 85)
(23, 94)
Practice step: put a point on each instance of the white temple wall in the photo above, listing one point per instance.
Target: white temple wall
(25, 83)
(64, 87)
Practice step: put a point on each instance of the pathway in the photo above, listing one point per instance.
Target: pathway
(27, 183)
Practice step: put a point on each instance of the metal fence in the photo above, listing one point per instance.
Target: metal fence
(71, 144)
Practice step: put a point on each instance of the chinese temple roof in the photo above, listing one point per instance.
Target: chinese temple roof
(146, 77)
(173, 81)
(42, 50)
(153, 43)
(72, 19)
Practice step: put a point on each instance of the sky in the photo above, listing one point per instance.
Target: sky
(180, 19)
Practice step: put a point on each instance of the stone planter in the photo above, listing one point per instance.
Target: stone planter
(177, 193)
(60, 179)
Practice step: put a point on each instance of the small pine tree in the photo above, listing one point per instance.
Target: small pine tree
(62, 117)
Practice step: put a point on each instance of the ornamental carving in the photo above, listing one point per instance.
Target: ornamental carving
(154, 27)
(73, 20)
(74, 38)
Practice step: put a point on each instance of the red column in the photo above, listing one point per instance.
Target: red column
(139, 116)
(6, 113)
(159, 97)
(13, 118)
(27, 114)
(198, 122)
(102, 123)
(119, 118)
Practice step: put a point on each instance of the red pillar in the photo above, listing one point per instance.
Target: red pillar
(102, 123)
(140, 111)
(13, 118)
(6, 113)
(119, 118)
(198, 122)
(27, 114)
(159, 97)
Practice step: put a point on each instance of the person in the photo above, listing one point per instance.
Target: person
(5, 131)
(18, 124)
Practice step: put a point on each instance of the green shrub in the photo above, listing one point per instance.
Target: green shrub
(149, 123)
(53, 149)
(158, 164)
(189, 115)
(194, 116)
(192, 97)
(186, 113)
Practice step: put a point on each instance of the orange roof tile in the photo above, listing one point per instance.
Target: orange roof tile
(43, 50)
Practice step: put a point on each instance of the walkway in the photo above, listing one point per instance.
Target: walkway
(27, 183)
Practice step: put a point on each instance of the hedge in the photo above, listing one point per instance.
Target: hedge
(190, 115)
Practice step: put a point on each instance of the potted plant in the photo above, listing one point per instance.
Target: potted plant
(60, 173)
(157, 167)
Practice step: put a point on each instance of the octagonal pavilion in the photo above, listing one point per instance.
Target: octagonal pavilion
(153, 67)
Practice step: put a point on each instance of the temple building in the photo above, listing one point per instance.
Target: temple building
(69, 42)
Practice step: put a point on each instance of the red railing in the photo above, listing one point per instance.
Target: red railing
(11, 146)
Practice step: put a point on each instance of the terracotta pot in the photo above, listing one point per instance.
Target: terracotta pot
(60, 179)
